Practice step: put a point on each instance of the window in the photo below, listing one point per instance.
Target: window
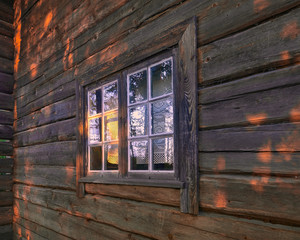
(137, 116)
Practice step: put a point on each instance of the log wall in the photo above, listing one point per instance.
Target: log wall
(6, 117)
(249, 119)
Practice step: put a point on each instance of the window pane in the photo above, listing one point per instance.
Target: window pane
(138, 151)
(96, 158)
(162, 116)
(95, 102)
(163, 153)
(111, 157)
(110, 97)
(138, 121)
(111, 127)
(95, 129)
(161, 79)
(138, 87)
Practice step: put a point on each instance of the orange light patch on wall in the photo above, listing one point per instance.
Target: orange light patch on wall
(33, 69)
(17, 43)
(260, 5)
(265, 154)
(285, 55)
(48, 19)
(295, 114)
(290, 31)
(220, 199)
(256, 119)
(221, 163)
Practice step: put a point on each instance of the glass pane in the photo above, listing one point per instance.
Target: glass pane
(96, 158)
(111, 157)
(138, 121)
(163, 153)
(95, 129)
(161, 79)
(139, 159)
(110, 97)
(95, 103)
(162, 116)
(111, 127)
(138, 87)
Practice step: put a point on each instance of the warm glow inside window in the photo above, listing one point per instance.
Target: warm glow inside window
(103, 128)
(151, 118)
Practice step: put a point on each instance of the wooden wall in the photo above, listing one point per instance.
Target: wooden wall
(6, 117)
(249, 108)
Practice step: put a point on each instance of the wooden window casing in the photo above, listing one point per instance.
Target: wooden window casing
(182, 42)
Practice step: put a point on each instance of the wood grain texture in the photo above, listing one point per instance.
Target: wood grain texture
(6, 149)
(6, 29)
(165, 196)
(253, 108)
(6, 83)
(259, 163)
(6, 198)
(68, 225)
(152, 220)
(49, 114)
(6, 132)
(59, 131)
(265, 197)
(49, 176)
(6, 165)
(56, 154)
(278, 137)
(5, 215)
(248, 52)
(6, 182)
(6, 117)
(33, 230)
(6, 101)
(6, 65)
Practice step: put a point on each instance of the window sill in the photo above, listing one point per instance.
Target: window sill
(134, 182)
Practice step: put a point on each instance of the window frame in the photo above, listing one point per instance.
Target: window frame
(186, 171)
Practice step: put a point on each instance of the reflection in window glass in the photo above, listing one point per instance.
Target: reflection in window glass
(138, 151)
(95, 130)
(111, 127)
(138, 120)
(95, 103)
(163, 153)
(96, 158)
(161, 79)
(162, 116)
(138, 87)
(111, 157)
(110, 97)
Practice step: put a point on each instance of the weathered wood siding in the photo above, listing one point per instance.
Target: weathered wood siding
(249, 119)
(6, 118)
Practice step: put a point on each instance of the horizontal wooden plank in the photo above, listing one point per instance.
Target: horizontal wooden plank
(155, 221)
(50, 176)
(6, 28)
(6, 65)
(165, 196)
(56, 153)
(6, 101)
(33, 230)
(55, 112)
(254, 108)
(69, 225)
(278, 137)
(64, 91)
(6, 83)
(5, 215)
(6, 149)
(275, 163)
(6, 47)
(266, 197)
(6, 232)
(269, 45)
(258, 82)
(6, 13)
(6, 198)
(6, 117)
(6, 182)
(59, 131)
(6, 132)
(6, 165)
(22, 233)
